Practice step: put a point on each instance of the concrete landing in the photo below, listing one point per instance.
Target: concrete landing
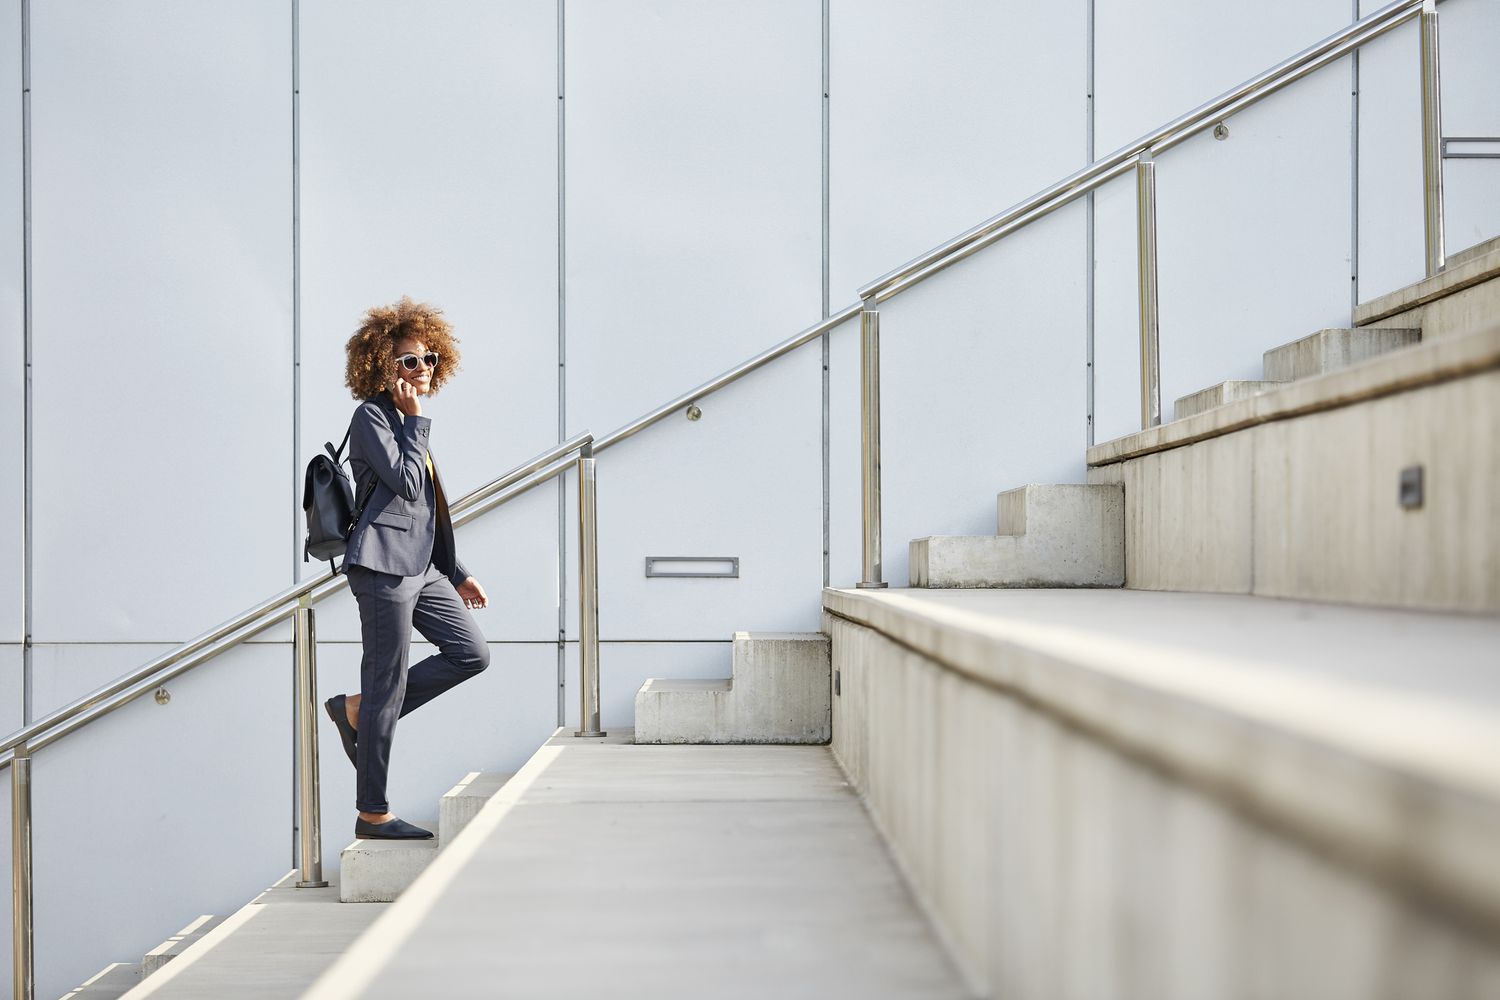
(273, 947)
(661, 871)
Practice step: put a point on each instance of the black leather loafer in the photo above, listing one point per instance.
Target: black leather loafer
(347, 733)
(391, 829)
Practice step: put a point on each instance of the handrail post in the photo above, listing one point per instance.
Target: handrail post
(588, 597)
(1432, 141)
(22, 953)
(1145, 220)
(869, 411)
(305, 651)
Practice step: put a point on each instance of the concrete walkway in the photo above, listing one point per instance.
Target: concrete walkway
(275, 946)
(662, 871)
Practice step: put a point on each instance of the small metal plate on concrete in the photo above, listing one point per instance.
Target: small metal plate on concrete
(693, 566)
(1411, 487)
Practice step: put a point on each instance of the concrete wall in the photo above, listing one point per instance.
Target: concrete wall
(1310, 506)
(1058, 865)
(693, 206)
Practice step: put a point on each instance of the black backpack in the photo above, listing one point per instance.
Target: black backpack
(328, 502)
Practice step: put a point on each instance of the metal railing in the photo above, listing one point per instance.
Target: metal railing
(1140, 156)
(579, 452)
(295, 603)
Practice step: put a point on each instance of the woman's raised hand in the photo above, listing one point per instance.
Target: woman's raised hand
(406, 398)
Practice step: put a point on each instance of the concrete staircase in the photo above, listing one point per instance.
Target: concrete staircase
(1371, 479)
(1046, 536)
(119, 978)
(1090, 790)
(1181, 788)
(1316, 354)
(377, 871)
(778, 693)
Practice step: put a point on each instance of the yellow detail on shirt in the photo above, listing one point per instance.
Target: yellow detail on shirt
(430, 470)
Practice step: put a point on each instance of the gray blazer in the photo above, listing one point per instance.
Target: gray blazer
(406, 523)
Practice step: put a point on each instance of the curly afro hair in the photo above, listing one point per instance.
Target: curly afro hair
(371, 367)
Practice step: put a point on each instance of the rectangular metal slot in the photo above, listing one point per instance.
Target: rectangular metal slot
(725, 567)
(1471, 147)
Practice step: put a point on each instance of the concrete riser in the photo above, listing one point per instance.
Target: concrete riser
(1331, 350)
(1058, 866)
(1062, 535)
(1308, 507)
(779, 693)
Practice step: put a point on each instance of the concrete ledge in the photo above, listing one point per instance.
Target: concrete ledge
(462, 802)
(1218, 395)
(1049, 535)
(1350, 737)
(779, 693)
(178, 943)
(1458, 275)
(377, 871)
(112, 981)
(1333, 350)
(1427, 363)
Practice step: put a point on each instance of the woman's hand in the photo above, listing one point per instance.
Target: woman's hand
(473, 594)
(406, 398)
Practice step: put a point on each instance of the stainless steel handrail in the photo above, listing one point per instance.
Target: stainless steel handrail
(1122, 160)
(258, 618)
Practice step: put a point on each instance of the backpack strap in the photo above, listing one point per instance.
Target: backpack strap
(337, 453)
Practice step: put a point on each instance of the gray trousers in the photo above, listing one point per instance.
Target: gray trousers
(389, 607)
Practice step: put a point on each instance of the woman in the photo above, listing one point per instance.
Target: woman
(401, 562)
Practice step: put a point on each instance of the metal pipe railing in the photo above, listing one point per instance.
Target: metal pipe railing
(1077, 184)
(1432, 142)
(1145, 212)
(872, 572)
(588, 599)
(296, 603)
(309, 800)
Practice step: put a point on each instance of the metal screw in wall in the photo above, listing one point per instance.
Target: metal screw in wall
(693, 412)
(1221, 131)
(163, 696)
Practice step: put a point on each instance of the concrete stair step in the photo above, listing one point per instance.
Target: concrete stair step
(175, 945)
(1474, 252)
(377, 871)
(1218, 395)
(779, 692)
(1049, 535)
(1331, 350)
(462, 802)
(112, 981)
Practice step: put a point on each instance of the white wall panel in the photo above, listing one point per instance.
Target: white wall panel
(693, 179)
(983, 382)
(1473, 206)
(10, 687)
(944, 114)
(429, 168)
(492, 722)
(12, 330)
(744, 480)
(1154, 61)
(135, 816)
(625, 666)
(1391, 250)
(1469, 32)
(162, 317)
(1253, 235)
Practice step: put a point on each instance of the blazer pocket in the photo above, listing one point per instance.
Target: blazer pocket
(392, 519)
